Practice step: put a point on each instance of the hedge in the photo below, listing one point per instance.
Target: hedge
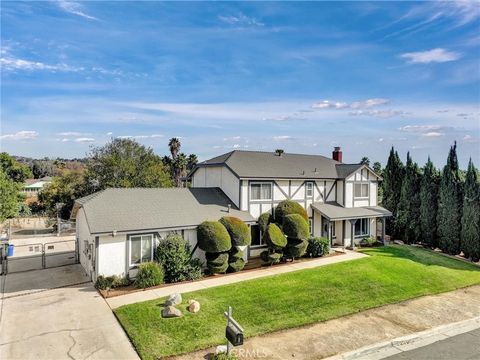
(288, 207)
(239, 231)
(213, 237)
(296, 227)
(271, 257)
(149, 274)
(264, 220)
(296, 248)
(274, 237)
(236, 265)
(235, 253)
(216, 259)
(318, 246)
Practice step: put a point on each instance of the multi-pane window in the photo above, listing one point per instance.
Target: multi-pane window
(309, 189)
(141, 249)
(256, 235)
(361, 190)
(261, 191)
(361, 227)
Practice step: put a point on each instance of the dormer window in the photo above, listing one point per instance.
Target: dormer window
(361, 190)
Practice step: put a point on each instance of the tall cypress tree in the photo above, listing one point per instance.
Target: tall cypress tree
(429, 204)
(408, 213)
(450, 206)
(471, 215)
(391, 186)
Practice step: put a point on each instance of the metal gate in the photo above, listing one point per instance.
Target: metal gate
(38, 256)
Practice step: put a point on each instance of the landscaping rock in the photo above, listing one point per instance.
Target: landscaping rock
(170, 312)
(173, 299)
(398, 242)
(193, 306)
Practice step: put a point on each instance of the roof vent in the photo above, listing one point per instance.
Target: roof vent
(279, 152)
(229, 207)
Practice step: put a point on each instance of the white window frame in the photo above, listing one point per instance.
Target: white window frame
(310, 225)
(362, 196)
(261, 185)
(334, 235)
(132, 265)
(261, 243)
(309, 188)
(366, 229)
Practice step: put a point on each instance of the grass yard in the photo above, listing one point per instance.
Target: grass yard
(389, 275)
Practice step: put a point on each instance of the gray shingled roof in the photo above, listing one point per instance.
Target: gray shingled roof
(335, 211)
(156, 208)
(259, 164)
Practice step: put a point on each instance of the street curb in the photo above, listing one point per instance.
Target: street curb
(409, 342)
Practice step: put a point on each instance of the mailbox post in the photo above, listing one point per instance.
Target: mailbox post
(233, 331)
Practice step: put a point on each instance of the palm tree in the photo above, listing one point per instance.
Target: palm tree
(365, 161)
(192, 160)
(180, 169)
(174, 145)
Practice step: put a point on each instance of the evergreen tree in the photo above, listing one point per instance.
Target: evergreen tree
(429, 204)
(10, 199)
(450, 206)
(471, 215)
(408, 212)
(391, 186)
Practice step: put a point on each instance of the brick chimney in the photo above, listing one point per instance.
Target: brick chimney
(337, 153)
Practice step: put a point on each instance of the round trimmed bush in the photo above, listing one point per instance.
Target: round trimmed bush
(213, 237)
(271, 257)
(236, 265)
(296, 227)
(296, 248)
(149, 274)
(264, 220)
(236, 253)
(318, 246)
(239, 231)
(274, 237)
(288, 207)
(217, 263)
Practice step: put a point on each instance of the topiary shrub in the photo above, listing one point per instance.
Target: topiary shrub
(271, 257)
(217, 263)
(213, 237)
(318, 246)
(149, 274)
(296, 248)
(264, 220)
(239, 231)
(274, 238)
(173, 253)
(288, 207)
(295, 227)
(235, 264)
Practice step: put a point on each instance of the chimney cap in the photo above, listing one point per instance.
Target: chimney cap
(279, 152)
(337, 148)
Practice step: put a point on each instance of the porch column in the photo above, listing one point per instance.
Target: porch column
(352, 231)
(383, 230)
(330, 233)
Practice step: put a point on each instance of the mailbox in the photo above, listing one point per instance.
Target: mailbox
(234, 335)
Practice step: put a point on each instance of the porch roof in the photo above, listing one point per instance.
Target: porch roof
(335, 211)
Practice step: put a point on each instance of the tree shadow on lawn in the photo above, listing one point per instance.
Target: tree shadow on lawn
(422, 256)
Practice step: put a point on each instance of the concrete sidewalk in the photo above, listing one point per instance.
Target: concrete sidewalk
(140, 296)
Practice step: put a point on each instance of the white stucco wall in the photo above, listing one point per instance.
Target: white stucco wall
(112, 255)
(221, 177)
(84, 249)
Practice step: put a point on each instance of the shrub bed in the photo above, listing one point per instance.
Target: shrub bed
(149, 274)
(318, 246)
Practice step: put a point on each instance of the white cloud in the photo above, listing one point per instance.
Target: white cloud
(437, 55)
(240, 20)
(236, 146)
(377, 113)
(10, 63)
(470, 139)
(71, 133)
(421, 128)
(327, 104)
(84, 140)
(109, 133)
(338, 105)
(282, 137)
(152, 136)
(74, 8)
(433, 134)
(21, 135)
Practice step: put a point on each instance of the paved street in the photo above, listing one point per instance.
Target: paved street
(460, 347)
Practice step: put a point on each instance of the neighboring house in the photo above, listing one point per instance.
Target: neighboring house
(340, 199)
(32, 187)
(119, 228)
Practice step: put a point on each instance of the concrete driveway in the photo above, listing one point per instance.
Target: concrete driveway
(56, 314)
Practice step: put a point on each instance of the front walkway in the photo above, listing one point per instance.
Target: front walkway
(140, 296)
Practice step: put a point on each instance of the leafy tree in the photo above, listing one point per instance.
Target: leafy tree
(471, 214)
(43, 168)
(365, 161)
(9, 196)
(408, 211)
(450, 205)
(125, 163)
(13, 169)
(377, 167)
(392, 184)
(429, 204)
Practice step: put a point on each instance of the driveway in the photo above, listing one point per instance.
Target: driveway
(57, 314)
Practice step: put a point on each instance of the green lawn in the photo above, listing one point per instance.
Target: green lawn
(389, 275)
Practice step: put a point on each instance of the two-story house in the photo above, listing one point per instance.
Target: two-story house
(119, 228)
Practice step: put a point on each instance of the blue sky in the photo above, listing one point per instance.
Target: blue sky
(302, 76)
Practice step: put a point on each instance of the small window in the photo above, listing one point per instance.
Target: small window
(261, 191)
(141, 249)
(361, 190)
(361, 227)
(309, 189)
(256, 236)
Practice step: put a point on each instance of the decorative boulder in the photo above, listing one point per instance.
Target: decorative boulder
(170, 312)
(213, 237)
(295, 227)
(239, 231)
(288, 207)
(193, 306)
(173, 299)
(264, 220)
(274, 238)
